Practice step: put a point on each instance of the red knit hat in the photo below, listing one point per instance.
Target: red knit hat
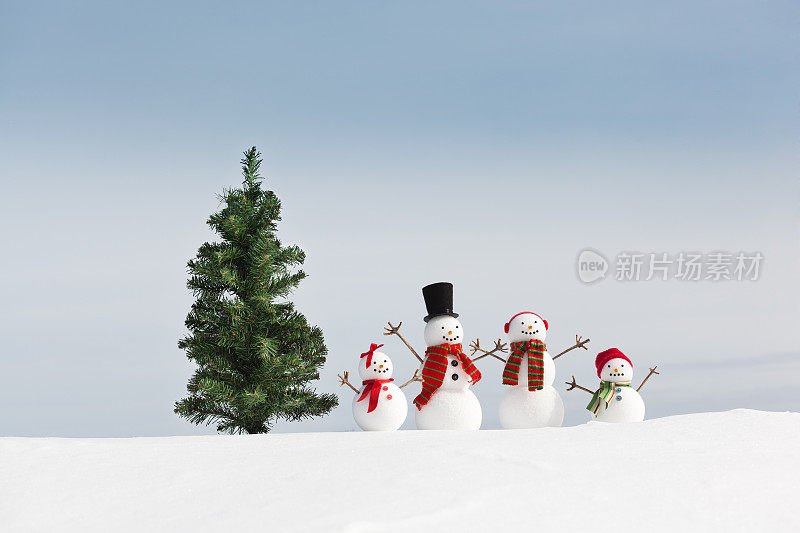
(608, 355)
(508, 324)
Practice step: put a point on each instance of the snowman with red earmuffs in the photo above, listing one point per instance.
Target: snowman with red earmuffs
(531, 401)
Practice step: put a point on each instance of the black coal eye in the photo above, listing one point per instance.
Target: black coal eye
(456, 327)
(442, 327)
(523, 322)
(609, 366)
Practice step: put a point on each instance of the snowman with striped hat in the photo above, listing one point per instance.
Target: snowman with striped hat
(445, 401)
(531, 401)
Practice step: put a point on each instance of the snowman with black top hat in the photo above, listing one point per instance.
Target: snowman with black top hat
(445, 401)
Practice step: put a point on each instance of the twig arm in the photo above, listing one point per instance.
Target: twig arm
(414, 378)
(499, 346)
(652, 371)
(578, 344)
(395, 330)
(573, 385)
(343, 380)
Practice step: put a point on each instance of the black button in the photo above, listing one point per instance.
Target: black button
(455, 377)
(454, 362)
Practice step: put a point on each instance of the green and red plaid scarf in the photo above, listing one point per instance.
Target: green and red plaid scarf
(604, 393)
(435, 369)
(534, 349)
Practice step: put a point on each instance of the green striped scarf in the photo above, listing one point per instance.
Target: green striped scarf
(534, 349)
(604, 393)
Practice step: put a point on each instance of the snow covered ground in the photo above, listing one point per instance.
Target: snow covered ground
(731, 471)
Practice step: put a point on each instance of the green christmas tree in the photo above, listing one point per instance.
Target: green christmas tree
(255, 353)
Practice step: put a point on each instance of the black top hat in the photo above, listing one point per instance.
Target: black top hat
(438, 299)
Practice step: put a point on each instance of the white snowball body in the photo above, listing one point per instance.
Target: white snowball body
(627, 404)
(453, 405)
(519, 407)
(524, 409)
(392, 408)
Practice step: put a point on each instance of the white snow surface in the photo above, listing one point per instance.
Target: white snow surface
(731, 471)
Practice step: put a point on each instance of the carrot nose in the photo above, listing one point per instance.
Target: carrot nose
(530, 327)
(380, 366)
(450, 332)
(616, 370)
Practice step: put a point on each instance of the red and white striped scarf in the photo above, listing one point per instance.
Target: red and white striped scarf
(435, 369)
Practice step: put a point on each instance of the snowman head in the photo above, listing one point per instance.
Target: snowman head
(614, 366)
(526, 326)
(374, 364)
(443, 329)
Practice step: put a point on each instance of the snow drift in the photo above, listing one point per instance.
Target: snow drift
(732, 471)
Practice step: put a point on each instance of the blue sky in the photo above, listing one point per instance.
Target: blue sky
(481, 143)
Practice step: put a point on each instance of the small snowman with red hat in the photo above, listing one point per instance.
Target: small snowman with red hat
(379, 405)
(531, 401)
(615, 400)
